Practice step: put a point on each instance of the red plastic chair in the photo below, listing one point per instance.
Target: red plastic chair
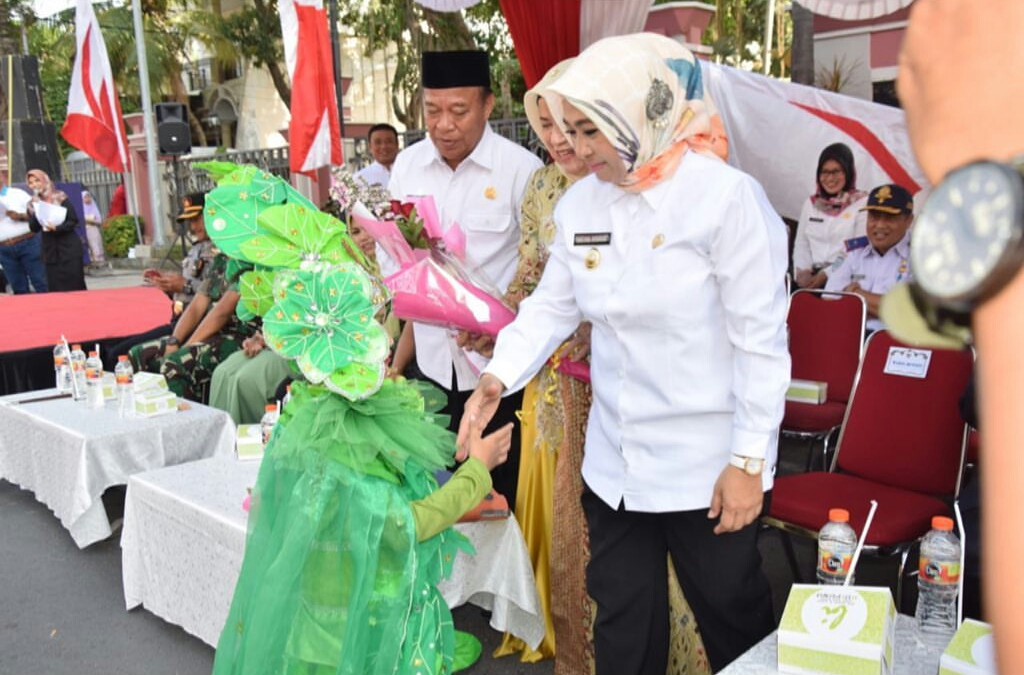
(902, 444)
(826, 340)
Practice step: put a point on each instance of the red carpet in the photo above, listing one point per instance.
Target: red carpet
(38, 319)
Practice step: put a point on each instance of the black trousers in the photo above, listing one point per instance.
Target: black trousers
(506, 476)
(627, 577)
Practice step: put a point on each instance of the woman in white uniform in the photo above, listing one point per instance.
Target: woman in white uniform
(829, 218)
(678, 260)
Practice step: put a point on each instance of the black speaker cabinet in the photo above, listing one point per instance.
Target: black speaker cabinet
(172, 131)
(33, 145)
(21, 90)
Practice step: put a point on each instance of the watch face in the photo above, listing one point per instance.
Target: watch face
(965, 230)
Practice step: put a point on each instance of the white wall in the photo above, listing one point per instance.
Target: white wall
(853, 53)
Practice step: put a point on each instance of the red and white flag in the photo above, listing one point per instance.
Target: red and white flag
(313, 133)
(94, 124)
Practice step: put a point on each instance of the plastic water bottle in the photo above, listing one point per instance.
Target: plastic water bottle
(124, 376)
(62, 368)
(937, 584)
(78, 372)
(94, 380)
(287, 396)
(267, 423)
(836, 543)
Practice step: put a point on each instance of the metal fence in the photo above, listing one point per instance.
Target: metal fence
(181, 176)
(97, 180)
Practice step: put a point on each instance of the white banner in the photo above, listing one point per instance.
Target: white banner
(777, 130)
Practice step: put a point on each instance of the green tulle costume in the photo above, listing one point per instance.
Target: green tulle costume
(334, 580)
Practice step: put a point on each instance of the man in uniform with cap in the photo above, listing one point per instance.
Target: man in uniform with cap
(182, 288)
(879, 261)
(477, 179)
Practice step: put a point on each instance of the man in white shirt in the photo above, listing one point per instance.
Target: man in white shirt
(477, 179)
(883, 259)
(383, 143)
(19, 247)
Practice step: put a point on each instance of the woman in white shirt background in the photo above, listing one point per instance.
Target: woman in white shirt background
(678, 260)
(829, 218)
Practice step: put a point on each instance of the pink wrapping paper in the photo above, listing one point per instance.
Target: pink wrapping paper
(578, 369)
(438, 290)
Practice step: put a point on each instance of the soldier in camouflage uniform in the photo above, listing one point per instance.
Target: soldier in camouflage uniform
(181, 287)
(219, 333)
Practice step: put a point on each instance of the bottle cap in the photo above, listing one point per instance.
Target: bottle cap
(942, 523)
(122, 357)
(839, 515)
(92, 355)
(270, 407)
(78, 347)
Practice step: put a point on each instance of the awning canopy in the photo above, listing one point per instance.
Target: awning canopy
(854, 10)
(447, 5)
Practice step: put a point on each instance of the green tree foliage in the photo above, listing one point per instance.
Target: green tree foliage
(413, 29)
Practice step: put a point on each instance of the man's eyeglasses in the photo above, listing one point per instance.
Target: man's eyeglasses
(828, 173)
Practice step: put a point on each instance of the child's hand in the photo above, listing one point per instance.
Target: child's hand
(493, 448)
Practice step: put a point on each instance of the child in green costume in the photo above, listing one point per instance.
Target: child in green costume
(348, 530)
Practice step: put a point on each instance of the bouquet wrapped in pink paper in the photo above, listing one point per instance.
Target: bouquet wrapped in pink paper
(434, 285)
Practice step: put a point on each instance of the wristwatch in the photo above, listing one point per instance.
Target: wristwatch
(752, 466)
(968, 241)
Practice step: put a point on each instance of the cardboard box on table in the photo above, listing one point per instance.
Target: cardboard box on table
(837, 630)
(970, 652)
(249, 441)
(807, 391)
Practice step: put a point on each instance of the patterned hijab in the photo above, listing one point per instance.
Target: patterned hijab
(48, 193)
(834, 204)
(531, 101)
(645, 92)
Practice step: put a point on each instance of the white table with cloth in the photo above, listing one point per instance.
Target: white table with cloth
(68, 454)
(911, 657)
(184, 538)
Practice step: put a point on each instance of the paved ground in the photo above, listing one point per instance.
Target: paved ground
(62, 609)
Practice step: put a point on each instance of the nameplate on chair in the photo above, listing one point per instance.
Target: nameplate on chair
(908, 362)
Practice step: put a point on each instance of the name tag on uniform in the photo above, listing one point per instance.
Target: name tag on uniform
(592, 238)
(855, 243)
(816, 220)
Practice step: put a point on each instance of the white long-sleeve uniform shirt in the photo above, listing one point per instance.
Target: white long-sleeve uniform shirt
(821, 238)
(482, 195)
(689, 361)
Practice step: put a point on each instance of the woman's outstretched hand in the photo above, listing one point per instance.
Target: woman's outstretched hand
(477, 413)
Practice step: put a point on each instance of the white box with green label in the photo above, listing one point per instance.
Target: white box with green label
(970, 652)
(249, 441)
(152, 402)
(837, 630)
(807, 391)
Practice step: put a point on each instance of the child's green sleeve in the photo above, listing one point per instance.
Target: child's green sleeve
(441, 509)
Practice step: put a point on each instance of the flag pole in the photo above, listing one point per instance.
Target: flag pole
(336, 52)
(147, 117)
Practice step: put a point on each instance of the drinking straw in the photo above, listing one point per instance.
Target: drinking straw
(74, 380)
(963, 553)
(860, 543)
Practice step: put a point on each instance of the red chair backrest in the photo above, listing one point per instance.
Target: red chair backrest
(904, 431)
(826, 337)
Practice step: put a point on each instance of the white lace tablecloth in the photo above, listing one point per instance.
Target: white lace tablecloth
(184, 537)
(911, 657)
(67, 453)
